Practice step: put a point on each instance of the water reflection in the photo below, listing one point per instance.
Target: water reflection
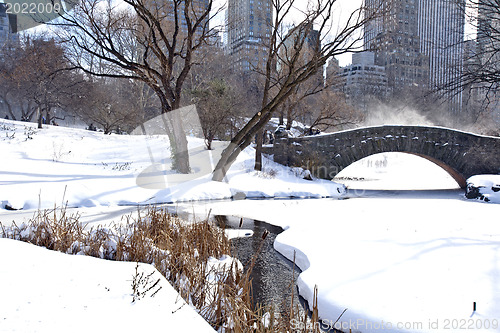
(273, 275)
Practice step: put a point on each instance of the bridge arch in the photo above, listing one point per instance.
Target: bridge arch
(461, 154)
(456, 175)
(445, 169)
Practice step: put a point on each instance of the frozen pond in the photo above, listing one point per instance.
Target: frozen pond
(398, 256)
(405, 257)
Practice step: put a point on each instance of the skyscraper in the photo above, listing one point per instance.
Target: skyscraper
(363, 81)
(311, 46)
(8, 26)
(487, 58)
(166, 10)
(394, 39)
(441, 30)
(488, 25)
(249, 31)
(419, 42)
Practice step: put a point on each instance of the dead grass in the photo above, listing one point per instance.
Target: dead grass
(181, 252)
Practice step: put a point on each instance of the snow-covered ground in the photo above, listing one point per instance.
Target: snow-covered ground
(97, 174)
(48, 291)
(56, 165)
(417, 262)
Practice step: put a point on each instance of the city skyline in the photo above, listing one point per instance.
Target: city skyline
(345, 7)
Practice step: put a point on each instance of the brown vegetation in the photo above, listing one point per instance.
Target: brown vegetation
(180, 251)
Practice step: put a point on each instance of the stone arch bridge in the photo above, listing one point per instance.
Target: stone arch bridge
(461, 154)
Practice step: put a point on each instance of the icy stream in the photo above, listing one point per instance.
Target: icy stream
(273, 276)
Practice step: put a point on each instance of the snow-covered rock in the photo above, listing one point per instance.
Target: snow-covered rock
(484, 187)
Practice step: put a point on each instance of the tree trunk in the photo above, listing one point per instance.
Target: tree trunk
(289, 117)
(208, 140)
(48, 117)
(180, 152)
(242, 140)
(178, 141)
(9, 110)
(226, 160)
(258, 150)
(244, 137)
(39, 115)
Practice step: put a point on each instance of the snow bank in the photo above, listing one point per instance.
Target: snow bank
(484, 187)
(52, 166)
(48, 291)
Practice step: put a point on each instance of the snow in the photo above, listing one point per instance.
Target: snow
(412, 125)
(98, 174)
(56, 165)
(395, 171)
(297, 129)
(48, 291)
(418, 259)
(489, 186)
(405, 260)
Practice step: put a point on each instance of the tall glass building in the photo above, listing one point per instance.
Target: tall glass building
(8, 26)
(441, 29)
(249, 31)
(420, 42)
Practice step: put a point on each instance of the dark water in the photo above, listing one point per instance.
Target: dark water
(406, 194)
(273, 276)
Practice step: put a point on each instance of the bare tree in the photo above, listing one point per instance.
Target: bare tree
(151, 42)
(480, 78)
(10, 94)
(219, 95)
(112, 104)
(314, 103)
(279, 85)
(485, 68)
(329, 110)
(32, 80)
(216, 103)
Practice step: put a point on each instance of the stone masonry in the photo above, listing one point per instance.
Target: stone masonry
(461, 154)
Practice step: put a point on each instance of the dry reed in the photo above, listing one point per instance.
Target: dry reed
(181, 252)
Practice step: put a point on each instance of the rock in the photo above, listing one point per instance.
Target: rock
(483, 188)
(239, 196)
(473, 192)
(9, 207)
